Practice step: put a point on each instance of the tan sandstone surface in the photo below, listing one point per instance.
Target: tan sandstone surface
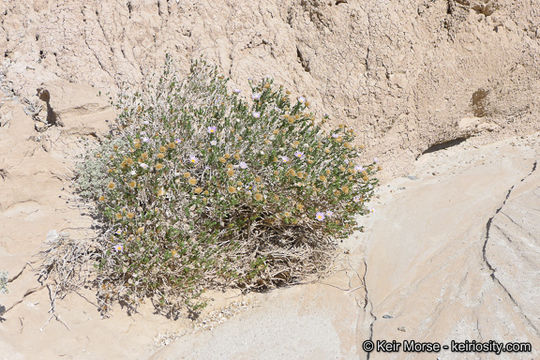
(451, 252)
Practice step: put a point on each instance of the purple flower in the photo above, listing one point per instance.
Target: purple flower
(213, 142)
(319, 216)
(256, 114)
(242, 165)
(356, 199)
(237, 91)
(359, 168)
(301, 99)
(118, 247)
(284, 158)
(256, 96)
(178, 141)
(375, 160)
(193, 159)
(299, 154)
(329, 213)
(335, 136)
(212, 129)
(145, 139)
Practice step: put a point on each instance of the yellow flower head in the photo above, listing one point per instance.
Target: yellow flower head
(232, 189)
(119, 216)
(129, 161)
(162, 149)
(174, 252)
(132, 184)
(186, 175)
(322, 178)
(160, 155)
(230, 172)
(258, 179)
(227, 156)
(192, 181)
(111, 185)
(276, 132)
(300, 206)
(237, 156)
(327, 171)
(171, 145)
(144, 156)
(130, 215)
(198, 190)
(222, 160)
(259, 197)
(159, 166)
(101, 198)
(287, 214)
(206, 192)
(140, 230)
(345, 189)
(161, 192)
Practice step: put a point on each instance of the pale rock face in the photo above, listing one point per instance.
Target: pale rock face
(401, 73)
(406, 75)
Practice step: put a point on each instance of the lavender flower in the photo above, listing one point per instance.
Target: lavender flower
(193, 159)
(284, 158)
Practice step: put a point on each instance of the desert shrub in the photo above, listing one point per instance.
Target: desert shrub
(197, 187)
(3, 282)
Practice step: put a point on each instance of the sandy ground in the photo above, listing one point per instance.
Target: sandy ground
(451, 252)
(425, 269)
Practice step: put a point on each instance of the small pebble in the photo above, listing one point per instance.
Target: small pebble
(386, 316)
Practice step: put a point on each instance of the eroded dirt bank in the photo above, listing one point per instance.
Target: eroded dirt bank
(452, 250)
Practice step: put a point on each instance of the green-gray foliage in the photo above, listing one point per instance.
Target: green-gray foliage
(197, 187)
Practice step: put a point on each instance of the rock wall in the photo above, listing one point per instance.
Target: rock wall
(406, 75)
